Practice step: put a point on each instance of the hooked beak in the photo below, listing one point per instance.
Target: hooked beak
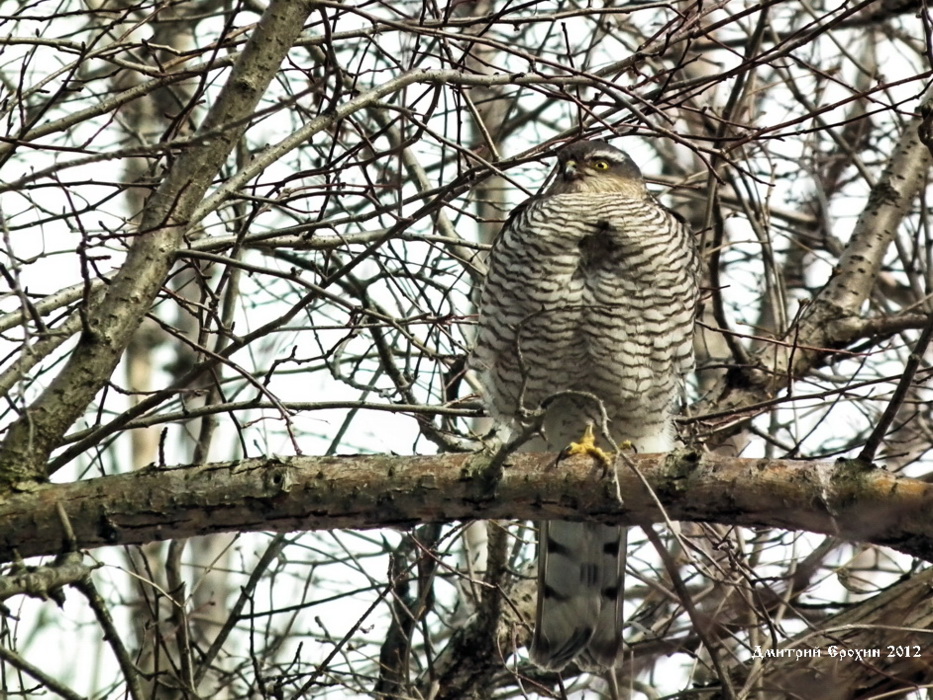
(571, 171)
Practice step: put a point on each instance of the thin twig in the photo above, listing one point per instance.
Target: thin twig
(867, 455)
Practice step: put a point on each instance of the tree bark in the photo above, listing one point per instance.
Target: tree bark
(842, 499)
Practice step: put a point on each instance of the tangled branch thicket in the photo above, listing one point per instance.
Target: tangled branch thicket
(233, 231)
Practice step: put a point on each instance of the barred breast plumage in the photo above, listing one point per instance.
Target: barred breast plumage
(591, 289)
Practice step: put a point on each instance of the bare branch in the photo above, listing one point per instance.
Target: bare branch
(111, 323)
(369, 491)
(43, 581)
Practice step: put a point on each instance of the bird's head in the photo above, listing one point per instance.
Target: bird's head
(596, 167)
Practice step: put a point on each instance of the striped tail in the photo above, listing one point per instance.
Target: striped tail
(581, 577)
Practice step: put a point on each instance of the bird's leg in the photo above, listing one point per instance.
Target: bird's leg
(586, 445)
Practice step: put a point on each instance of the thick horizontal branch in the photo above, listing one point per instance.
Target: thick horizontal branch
(365, 491)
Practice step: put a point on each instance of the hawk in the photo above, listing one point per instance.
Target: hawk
(587, 317)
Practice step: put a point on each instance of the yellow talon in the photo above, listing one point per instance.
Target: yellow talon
(587, 446)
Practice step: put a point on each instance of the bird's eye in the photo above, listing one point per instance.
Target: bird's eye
(601, 164)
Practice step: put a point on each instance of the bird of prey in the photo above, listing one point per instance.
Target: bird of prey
(587, 315)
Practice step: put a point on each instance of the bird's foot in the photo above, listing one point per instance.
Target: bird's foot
(587, 446)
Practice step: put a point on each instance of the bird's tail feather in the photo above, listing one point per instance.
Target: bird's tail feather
(581, 576)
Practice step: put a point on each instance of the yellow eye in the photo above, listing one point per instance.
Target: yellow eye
(601, 164)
